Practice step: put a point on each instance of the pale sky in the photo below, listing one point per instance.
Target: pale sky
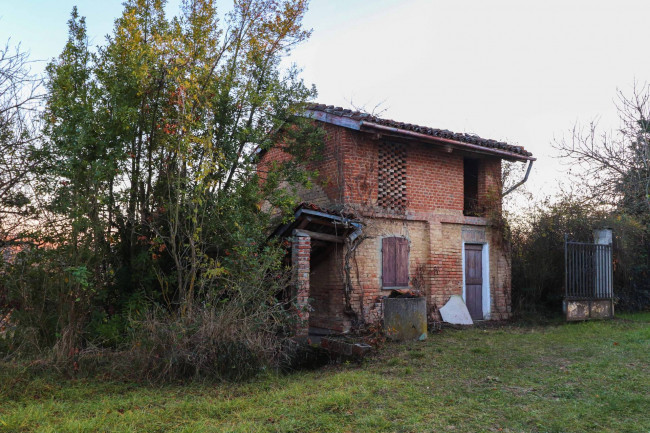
(520, 71)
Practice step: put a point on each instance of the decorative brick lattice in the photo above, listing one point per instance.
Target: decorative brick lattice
(391, 188)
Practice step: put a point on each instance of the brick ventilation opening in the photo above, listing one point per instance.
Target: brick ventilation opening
(391, 191)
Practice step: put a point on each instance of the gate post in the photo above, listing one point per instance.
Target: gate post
(604, 272)
(603, 262)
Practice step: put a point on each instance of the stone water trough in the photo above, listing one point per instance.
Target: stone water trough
(405, 318)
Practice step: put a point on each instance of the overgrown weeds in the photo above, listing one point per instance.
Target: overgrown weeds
(235, 330)
(212, 342)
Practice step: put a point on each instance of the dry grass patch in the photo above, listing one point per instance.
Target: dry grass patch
(568, 378)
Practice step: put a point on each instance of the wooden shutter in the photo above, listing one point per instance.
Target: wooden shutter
(402, 262)
(395, 269)
(389, 274)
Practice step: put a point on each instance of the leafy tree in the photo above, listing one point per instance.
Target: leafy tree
(193, 102)
(77, 170)
(149, 177)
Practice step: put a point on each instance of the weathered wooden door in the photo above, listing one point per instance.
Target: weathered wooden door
(474, 280)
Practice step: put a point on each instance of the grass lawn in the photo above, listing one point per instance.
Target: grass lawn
(577, 377)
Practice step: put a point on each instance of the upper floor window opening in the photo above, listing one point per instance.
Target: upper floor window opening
(471, 187)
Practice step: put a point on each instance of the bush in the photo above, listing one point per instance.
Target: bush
(538, 252)
(537, 239)
(235, 328)
(232, 338)
(48, 300)
(631, 263)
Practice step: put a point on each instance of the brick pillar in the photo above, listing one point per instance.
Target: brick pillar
(300, 252)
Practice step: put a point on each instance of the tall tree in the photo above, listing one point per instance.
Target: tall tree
(152, 141)
(78, 169)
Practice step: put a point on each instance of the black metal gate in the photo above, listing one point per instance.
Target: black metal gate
(588, 280)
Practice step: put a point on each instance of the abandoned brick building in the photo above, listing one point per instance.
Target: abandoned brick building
(398, 206)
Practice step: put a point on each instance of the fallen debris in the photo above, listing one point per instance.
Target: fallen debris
(343, 349)
(455, 312)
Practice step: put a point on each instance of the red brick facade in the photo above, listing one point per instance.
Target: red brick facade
(432, 222)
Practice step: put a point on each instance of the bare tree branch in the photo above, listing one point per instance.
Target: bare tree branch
(20, 97)
(614, 168)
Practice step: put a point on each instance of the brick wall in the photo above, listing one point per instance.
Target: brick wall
(432, 221)
(328, 185)
(348, 174)
(367, 264)
(446, 266)
(489, 185)
(300, 265)
(434, 177)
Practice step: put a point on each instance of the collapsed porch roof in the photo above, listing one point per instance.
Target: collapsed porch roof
(326, 228)
(320, 224)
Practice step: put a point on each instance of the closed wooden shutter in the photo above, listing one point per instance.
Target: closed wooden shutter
(388, 262)
(395, 269)
(402, 262)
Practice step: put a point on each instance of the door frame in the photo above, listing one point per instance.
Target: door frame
(485, 288)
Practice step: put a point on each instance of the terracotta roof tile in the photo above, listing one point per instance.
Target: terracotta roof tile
(433, 132)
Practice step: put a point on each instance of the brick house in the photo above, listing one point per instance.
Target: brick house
(398, 206)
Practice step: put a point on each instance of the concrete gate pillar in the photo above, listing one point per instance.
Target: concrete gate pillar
(300, 261)
(603, 263)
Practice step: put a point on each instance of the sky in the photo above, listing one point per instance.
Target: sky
(520, 71)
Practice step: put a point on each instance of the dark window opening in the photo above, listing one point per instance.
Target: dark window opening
(470, 188)
(395, 262)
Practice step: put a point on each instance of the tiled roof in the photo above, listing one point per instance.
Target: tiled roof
(432, 132)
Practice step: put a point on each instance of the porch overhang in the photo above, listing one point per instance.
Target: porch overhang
(314, 233)
(321, 224)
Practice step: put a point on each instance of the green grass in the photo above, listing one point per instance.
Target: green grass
(636, 317)
(577, 377)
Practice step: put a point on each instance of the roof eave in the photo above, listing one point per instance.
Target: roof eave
(360, 125)
(344, 121)
(440, 140)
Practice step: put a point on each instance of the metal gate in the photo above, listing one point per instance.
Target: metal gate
(588, 280)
